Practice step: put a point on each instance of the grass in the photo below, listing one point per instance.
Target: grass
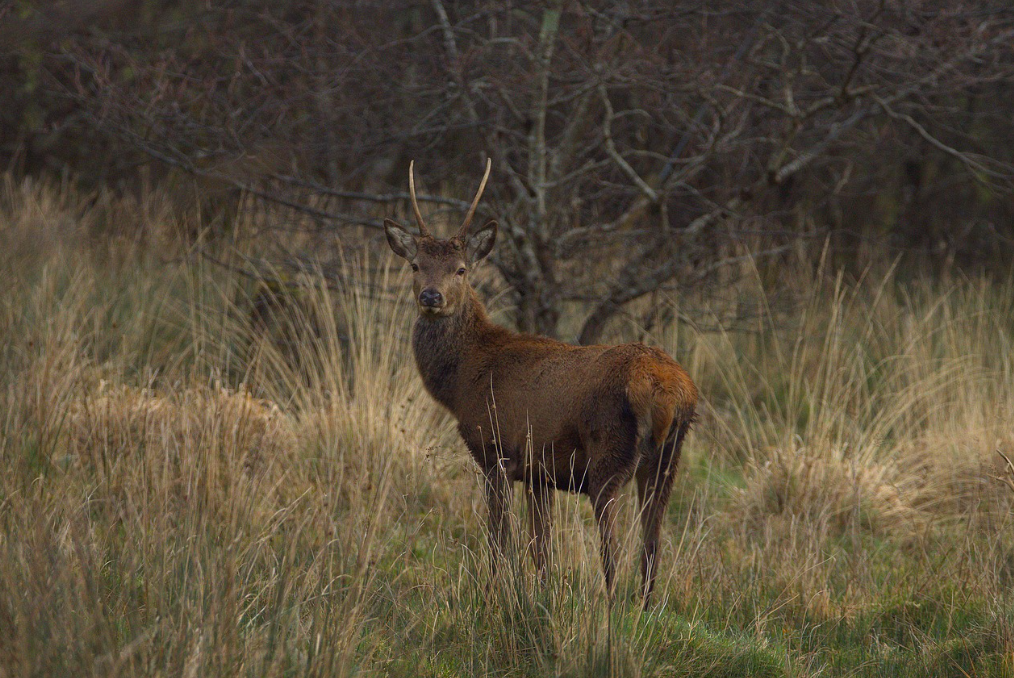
(191, 489)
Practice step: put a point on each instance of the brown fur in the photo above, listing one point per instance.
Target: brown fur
(551, 415)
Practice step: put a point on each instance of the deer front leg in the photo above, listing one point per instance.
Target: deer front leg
(540, 505)
(498, 501)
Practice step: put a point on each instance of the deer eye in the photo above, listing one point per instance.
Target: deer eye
(461, 271)
(415, 267)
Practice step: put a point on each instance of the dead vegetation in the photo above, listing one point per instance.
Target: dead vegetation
(175, 502)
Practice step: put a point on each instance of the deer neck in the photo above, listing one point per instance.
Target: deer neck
(441, 345)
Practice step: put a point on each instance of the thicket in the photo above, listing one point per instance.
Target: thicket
(661, 140)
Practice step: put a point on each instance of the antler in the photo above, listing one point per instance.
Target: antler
(415, 205)
(463, 231)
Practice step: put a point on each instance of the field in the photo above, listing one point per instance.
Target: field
(202, 476)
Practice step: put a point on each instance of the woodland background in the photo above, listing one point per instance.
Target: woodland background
(659, 140)
(218, 458)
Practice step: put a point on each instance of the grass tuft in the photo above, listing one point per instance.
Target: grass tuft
(206, 474)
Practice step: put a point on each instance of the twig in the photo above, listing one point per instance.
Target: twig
(615, 155)
(1008, 478)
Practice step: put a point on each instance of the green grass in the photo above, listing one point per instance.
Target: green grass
(186, 493)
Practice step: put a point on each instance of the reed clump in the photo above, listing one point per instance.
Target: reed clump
(191, 488)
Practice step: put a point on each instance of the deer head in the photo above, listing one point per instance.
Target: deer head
(440, 267)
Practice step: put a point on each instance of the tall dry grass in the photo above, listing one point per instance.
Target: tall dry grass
(206, 476)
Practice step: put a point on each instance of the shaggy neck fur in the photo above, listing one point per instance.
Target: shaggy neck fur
(440, 344)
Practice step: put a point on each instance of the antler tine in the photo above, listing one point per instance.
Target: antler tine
(463, 231)
(415, 204)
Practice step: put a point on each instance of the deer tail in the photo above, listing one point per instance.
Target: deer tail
(663, 399)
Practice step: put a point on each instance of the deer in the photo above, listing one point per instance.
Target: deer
(531, 409)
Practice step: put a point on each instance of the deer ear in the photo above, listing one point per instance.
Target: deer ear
(480, 243)
(400, 240)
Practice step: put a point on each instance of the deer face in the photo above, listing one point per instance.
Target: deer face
(440, 267)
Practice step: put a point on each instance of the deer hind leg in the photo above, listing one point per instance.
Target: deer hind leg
(499, 493)
(605, 480)
(655, 476)
(540, 505)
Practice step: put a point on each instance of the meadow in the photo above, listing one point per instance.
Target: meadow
(206, 476)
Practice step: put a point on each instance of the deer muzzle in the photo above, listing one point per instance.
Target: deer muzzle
(430, 298)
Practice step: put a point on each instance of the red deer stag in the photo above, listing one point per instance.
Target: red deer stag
(554, 416)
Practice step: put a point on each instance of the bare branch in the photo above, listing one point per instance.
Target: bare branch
(368, 197)
(1008, 476)
(537, 141)
(648, 191)
(977, 167)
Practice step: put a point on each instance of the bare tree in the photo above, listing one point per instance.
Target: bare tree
(636, 145)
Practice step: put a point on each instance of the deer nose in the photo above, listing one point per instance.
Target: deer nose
(430, 298)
